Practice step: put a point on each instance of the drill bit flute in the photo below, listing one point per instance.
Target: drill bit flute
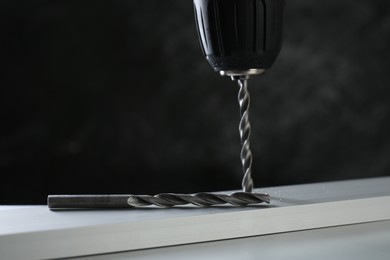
(245, 133)
(240, 39)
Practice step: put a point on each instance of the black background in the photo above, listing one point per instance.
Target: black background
(116, 97)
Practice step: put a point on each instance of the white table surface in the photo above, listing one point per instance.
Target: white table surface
(35, 232)
(367, 241)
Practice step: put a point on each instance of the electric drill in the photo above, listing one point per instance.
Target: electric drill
(240, 38)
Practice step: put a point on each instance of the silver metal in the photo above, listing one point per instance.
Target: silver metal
(248, 72)
(245, 133)
(163, 200)
(167, 200)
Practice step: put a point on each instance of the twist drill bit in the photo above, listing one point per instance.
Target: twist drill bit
(163, 200)
(245, 133)
(198, 199)
(167, 200)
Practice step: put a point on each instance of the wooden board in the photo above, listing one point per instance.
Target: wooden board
(349, 242)
(37, 233)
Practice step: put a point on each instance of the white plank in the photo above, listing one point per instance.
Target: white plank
(350, 242)
(37, 233)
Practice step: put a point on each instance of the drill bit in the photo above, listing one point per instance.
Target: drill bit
(167, 200)
(163, 200)
(198, 199)
(245, 133)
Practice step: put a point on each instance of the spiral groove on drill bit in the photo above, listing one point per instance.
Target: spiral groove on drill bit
(245, 132)
(167, 200)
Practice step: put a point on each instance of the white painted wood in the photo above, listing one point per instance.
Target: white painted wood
(38, 233)
(363, 241)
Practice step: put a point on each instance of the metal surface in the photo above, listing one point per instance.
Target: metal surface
(245, 133)
(35, 232)
(164, 200)
(249, 72)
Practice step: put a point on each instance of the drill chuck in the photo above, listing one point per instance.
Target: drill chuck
(240, 37)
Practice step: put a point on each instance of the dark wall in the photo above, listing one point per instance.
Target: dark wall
(116, 97)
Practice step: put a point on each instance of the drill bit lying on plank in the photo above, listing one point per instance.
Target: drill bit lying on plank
(163, 200)
(167, 200)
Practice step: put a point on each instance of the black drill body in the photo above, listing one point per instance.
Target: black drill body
(239, 35)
